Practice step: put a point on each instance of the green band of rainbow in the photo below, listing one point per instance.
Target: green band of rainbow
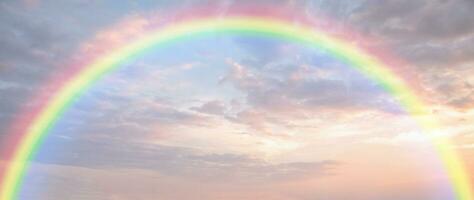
(343, 50)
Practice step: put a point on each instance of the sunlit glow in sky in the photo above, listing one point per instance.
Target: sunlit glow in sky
(240, 116)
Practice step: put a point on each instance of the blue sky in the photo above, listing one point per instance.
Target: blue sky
(240, 117)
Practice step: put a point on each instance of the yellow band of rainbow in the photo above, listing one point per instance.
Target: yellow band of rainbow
(356, 57)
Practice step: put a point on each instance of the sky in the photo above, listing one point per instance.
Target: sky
(239, 116)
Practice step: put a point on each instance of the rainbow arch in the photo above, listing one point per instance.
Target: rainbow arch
(369, 65)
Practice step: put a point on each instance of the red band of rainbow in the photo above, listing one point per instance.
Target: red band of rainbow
(41, 121)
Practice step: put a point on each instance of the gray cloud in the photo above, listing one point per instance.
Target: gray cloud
(277, 92)
(130, 116)
(176, 161)
(415, 21)
(435, 37)
(39, 40)
(211, 107)
(35, 44)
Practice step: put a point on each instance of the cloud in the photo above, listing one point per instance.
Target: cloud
(178, 161)
(211, 107)
(62, 182)
(278, 94)
(435, 37)
(29, 41)
(416, 21)
(452, 87)
(28, 54)
(38, 42)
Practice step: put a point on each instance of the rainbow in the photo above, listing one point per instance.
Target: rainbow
(41, 121)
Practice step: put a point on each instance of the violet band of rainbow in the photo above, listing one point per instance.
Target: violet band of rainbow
(355, 57)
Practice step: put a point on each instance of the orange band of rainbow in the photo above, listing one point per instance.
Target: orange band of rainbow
(354, 56)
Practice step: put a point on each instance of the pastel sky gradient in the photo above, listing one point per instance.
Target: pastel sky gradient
(240, 117)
